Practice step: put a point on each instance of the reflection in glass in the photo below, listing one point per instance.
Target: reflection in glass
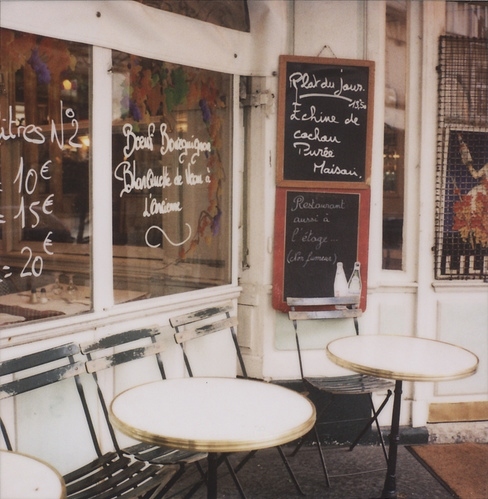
(44, 160)
(57, 289)
(72, 289)
(171, 177)
(394, 134)
(229, 14)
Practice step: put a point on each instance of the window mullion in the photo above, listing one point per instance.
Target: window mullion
(101, 180)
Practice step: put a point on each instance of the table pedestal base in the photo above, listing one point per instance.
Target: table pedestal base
(212, 460)
(389, 489)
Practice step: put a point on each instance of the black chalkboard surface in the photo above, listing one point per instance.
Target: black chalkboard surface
(324, 121)
(315, 229)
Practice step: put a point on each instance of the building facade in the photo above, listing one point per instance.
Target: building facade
(138, 151)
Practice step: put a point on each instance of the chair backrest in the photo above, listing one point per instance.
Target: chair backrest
(117, 349)
(54, 364)
(322, 308)
(204, 322)
(40, 369)
(121, 348)
(100, 353)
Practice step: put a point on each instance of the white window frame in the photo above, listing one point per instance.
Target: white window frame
(379, 277)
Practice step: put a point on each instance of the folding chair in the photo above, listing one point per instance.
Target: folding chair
(194, 325)
(130, 346)
(110, 475)
(352, 384)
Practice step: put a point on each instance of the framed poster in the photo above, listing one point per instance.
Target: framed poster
(324, 122)
(462, 205)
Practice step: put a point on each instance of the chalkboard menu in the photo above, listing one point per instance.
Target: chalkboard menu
(324, 122)
(314, 230)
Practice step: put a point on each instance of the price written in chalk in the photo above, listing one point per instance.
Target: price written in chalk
(323, 120)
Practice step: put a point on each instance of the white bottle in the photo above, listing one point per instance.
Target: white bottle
(354, 284)
(340, 281)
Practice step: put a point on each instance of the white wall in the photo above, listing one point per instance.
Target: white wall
(330, 29)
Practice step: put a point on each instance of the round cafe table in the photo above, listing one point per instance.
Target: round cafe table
(25, 477)
(214, 415)
(402, 358)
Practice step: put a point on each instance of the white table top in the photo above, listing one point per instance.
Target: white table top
(24, 477)
(213, 414)
(402, 357)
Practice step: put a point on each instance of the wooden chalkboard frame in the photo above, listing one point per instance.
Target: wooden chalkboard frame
(360, 233)
(364, 69)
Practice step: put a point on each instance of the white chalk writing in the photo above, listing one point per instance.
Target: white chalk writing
(127, 173)
(299, 203)
(184, 146)
(325, 107)
(137, 142)
(161, 230)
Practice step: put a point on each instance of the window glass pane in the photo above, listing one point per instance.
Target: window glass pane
(394, 135)
(233, 14)
(171, 177)
(44, 161)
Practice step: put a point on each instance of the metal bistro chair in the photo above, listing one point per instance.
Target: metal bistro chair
(331, 387)
(110, 475)
(194, 325)
(129, 347)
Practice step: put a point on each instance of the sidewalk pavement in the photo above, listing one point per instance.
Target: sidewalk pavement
(362, 473)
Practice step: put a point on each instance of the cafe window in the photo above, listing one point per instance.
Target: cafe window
(171, 194)
(171, 178)
(394, 134)
(45, 189)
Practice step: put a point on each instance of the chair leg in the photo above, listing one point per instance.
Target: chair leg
(298, 446)
(251, 454)
(221, 459)
(301, 441)
(382, 440)
(290, 471)
(374, 419)
(234, 477)
(192, 491)
(163, 489)
(247, 458)
(319, 448)
(322, 458)
(195, 487)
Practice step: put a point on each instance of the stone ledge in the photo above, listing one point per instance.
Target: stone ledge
(449, 433)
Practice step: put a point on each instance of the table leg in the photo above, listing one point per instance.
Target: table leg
(212, 460)
(389, 489)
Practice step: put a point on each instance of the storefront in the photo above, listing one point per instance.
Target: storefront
(173, 138)
(138, 151)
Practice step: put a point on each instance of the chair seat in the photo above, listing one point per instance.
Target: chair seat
(112, 475)
(352, 384)
(155, 454)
